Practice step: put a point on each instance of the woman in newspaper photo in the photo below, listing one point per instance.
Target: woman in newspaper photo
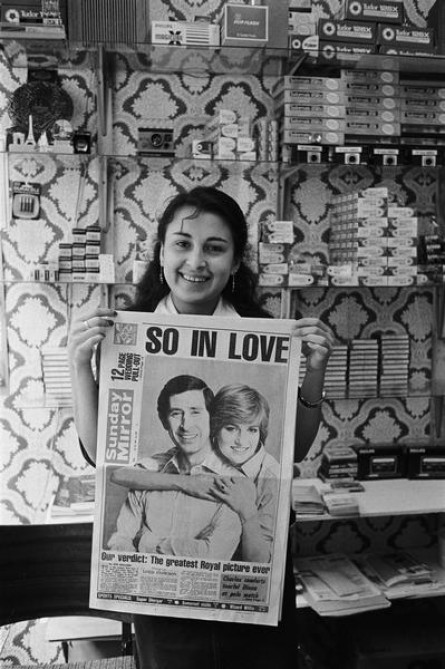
(239, 422)
(198, 268)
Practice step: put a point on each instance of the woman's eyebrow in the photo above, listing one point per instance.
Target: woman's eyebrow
(179, 232)
(217, 239)
(209, 239)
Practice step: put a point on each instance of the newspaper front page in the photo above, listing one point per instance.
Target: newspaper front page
(194, 466)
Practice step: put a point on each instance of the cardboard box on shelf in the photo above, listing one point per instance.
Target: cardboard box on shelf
(256, 25)
(245, 25)
(368, 10)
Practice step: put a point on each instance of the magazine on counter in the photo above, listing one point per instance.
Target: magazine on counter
(75, 495)
(194, 466)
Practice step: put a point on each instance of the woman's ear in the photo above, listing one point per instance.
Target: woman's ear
(235, 266)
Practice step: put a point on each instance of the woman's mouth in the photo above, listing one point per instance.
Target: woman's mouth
(194, 279)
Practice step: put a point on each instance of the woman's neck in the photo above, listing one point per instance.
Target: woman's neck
(200, 309)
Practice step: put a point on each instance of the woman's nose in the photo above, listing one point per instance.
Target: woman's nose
(240, 438)
(196, 258)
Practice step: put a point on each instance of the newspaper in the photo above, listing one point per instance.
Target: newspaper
(165, 542)
(335, 586)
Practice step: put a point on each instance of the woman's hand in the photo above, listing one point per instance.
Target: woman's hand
(86, 332)
(198, 485)
(239, 493)
(317, 341)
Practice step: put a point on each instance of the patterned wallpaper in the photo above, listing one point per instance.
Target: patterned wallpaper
(39, 443)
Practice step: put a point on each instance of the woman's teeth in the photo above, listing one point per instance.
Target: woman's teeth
(194, 279)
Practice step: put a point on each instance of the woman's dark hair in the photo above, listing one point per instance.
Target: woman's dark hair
(150, 290)
(176, 386)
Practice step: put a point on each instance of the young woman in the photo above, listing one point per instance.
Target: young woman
(239, 422)
(198, 268)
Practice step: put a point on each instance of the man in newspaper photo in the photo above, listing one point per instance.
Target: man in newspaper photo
(169, 521)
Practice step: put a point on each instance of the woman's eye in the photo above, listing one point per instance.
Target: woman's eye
(182, 244)
(230, 428)
(254, 430)
(211, 248)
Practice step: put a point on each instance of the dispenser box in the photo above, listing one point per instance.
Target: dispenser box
(245, 25)
(266, 24)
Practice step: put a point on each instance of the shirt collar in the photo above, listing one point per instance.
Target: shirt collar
(223, 309)
(252, 467)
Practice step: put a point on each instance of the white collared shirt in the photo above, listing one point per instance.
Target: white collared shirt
(223, 309)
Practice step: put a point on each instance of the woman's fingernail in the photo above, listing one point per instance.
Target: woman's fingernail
(110, 322)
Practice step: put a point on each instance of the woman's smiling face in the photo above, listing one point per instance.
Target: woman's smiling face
(238, 442)
(198, 257)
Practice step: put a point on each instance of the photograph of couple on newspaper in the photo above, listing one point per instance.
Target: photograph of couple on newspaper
(206, 480)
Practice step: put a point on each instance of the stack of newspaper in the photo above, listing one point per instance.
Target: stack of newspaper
(341, 504)
(335, 586)
(306, 500)
(404, 574)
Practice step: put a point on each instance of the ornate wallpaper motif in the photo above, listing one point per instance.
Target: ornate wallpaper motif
(39, 444)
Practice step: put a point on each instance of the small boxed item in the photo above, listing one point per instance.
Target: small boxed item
(155, 142)
(338, 463)
(384, 462)
(308, 153)
(277, 232)
(406, 37)
(426, 462)
(202, 149)
(425, 157)
(25, 200)
(309, 44)
(341, 504)
(245, 25)
(384, 155)
(375, 10)
(278, 23)
(349, 52)
(436, 21)
(185, 33)
(347, 31)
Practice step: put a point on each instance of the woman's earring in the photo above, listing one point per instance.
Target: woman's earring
(233, 282)
(161, 275)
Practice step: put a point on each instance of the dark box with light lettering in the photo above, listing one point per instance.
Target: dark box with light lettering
(436, 21)
(426, 462)
(381, 462)
(375, 10)
(245, 25)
